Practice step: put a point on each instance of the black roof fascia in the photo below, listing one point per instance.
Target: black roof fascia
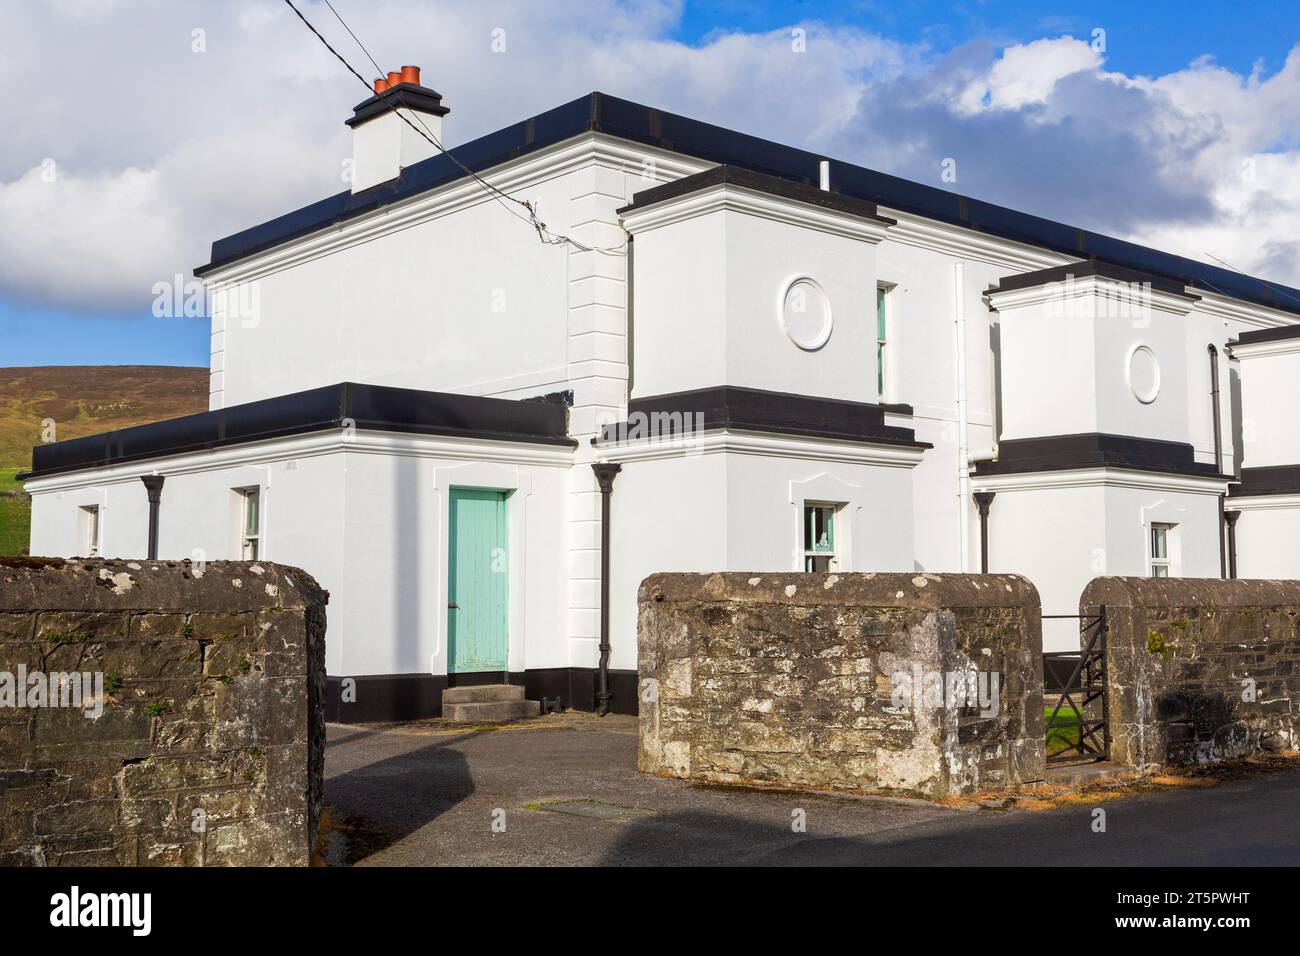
(757, 182)
(736, 408)
(1255, 336)
(365, 407)
(1081, 270)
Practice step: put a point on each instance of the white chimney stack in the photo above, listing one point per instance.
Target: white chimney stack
(383, 142)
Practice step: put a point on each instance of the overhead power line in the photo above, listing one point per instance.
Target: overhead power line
(1229, 265)
(543, 233)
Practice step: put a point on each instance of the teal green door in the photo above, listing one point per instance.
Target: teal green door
(477, 577)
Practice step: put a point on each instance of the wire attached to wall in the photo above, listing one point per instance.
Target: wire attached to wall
(502, 198)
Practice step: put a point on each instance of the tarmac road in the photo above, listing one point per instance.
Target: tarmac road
(563, 790)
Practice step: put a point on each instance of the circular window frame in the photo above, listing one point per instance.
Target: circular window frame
(1150, 395)
(828, 326)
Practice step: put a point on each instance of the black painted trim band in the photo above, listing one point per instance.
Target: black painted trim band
(380, 698)
(1255, 336)
(757, 182)
(364, 407)
(1097, 450)
(1269, 480)
(757, 410)
(1091, 268)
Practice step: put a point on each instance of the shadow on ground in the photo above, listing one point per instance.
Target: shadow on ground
(393, 797)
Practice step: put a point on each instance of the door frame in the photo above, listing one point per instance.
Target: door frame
(518, 489)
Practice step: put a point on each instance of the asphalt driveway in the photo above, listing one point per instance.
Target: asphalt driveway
(563, 790)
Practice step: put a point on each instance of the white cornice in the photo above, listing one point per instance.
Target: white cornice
(1248, 313)
(1099, 477)
(308, 446)
(1084, 288)
(1260, 349)
(1264, 503)
(733, 198)
(760, 443)
(511, 177)
(952, 240)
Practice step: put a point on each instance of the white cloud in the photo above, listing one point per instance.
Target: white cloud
(160, 150)
(1026, 75)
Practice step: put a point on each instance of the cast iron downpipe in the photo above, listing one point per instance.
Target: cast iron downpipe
(1230, 517)
(153, 485)
(984, 501)
(1214, 408)
(605, 474)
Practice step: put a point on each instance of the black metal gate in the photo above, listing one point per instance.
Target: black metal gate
(1078, 726)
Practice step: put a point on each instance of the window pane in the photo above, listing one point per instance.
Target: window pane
(1159, 571)
(880, 340)
(820, 535)
(251, 504)
(1159, 543)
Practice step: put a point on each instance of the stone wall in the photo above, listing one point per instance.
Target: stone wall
(196, 736)
(1183, 655)
(794, 680)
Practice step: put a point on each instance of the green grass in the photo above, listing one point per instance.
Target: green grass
(15, 514)
(1061, 738)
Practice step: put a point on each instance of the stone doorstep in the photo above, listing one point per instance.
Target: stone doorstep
(487, 703)
(491, 712)
(482, 694)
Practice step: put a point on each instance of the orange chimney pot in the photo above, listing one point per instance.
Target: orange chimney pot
(394, 78)
(381, 84)
(411, 74)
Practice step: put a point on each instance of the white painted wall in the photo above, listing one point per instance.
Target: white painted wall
(367, 518)
(921, 365)
(712, 271)
(1066, 362)
(1267, 532)
(1270, 388)
(446, 291)
(727, 509)
(1063, 529)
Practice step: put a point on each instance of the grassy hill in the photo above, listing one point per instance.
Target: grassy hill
(81, 400)
(15, 514)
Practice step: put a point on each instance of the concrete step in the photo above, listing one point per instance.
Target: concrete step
(481, 694)
(488, 712)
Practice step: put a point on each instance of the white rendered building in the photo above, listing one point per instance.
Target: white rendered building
(774, 362)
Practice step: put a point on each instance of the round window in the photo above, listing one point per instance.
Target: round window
(806, 314)
(1143, 374)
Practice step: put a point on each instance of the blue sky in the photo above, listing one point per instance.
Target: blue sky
(1236, 34)
(36, 336)
(1137, 142)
